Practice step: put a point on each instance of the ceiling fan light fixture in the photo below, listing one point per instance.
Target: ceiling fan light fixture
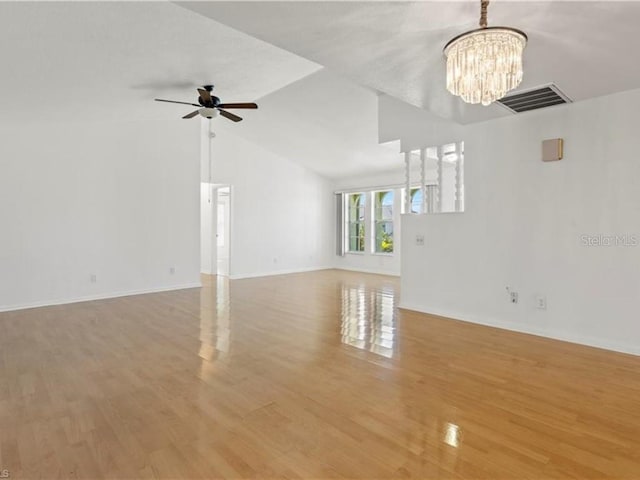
(208, 112)
(486, 63)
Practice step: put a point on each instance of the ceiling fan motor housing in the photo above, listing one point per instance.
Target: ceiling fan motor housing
(215, 101)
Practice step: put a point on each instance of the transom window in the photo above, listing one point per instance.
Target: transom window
(416, 200)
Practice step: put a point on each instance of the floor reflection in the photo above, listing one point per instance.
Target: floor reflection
(452, 435)
(368, 319)
(214, 317)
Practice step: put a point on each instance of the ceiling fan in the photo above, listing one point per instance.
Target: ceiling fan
(210, 105)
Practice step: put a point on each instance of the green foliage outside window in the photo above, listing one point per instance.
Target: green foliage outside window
(387, 243)
(383, 217)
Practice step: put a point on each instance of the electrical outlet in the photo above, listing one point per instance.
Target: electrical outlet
(420, 240)
(514, 297)
(172, 270)
(541, 302)
(93, 278)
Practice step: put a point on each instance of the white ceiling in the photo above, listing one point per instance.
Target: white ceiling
(101, 62)
(324, 122)
(586, 48)
(107, 61)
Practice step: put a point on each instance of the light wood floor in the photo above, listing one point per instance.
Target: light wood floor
(314, 375)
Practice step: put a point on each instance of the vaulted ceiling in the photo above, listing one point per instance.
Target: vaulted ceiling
(106, 61)
(324, 122)
(586, 48)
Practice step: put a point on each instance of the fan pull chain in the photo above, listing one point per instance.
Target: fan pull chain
(209, 138)
(484, 6)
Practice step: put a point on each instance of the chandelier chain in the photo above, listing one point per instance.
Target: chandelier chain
(484, 6)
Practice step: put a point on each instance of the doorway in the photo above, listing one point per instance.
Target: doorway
(215, 231)
(222, 230)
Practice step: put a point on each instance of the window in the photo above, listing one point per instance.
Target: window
(355, 220)
(366, 221)
(416, 200)
(383, 221)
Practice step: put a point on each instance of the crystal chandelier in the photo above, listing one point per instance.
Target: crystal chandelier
(484, 64)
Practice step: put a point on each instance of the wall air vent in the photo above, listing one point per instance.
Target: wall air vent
(539, 97)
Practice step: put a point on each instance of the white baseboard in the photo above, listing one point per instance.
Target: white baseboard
(100, 296)
(277, 272)
(310, 269)
(615, 346)
(368, 270)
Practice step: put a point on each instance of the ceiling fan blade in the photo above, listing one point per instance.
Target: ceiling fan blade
(192, 114)
(230, 116)
(173, 101)
(205, 95)
(238, 105)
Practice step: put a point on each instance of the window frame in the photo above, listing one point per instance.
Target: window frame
(361, 237)
(375, 221)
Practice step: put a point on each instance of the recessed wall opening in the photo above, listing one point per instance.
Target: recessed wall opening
(440, 171)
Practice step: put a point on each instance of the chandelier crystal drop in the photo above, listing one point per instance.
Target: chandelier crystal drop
(484, 64)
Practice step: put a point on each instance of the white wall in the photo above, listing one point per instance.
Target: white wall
(281, 212)
(413, 126)
(115, 200)
(524, 223)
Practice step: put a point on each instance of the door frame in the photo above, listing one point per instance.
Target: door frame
(229, 232)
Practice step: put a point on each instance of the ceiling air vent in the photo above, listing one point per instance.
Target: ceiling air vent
(539, 97)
